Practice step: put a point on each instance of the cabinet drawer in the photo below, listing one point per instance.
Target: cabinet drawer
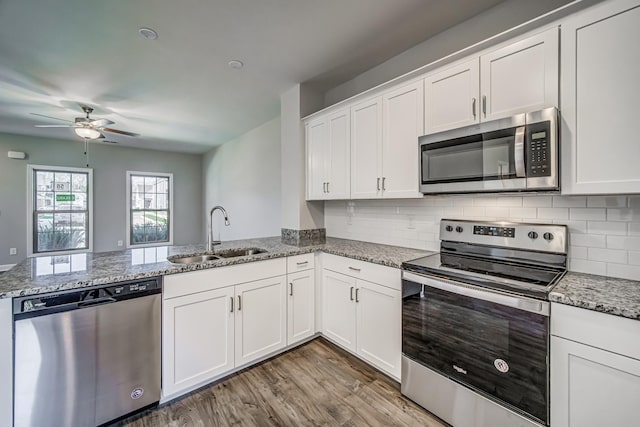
(383, 275)
(300, 262)
(606, 331)
(176, 285)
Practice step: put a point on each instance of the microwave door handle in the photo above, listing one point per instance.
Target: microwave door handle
(519, 152)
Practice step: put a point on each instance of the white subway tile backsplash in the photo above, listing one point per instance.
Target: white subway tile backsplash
(588, 213)
(608, 255)
(604, 231)
(553, 213)
(603, 227)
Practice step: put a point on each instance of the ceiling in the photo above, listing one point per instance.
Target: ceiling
(178, 92)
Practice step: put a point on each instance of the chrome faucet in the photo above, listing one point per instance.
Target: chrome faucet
(210, 239)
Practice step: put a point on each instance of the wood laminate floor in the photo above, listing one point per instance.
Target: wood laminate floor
(316, 384)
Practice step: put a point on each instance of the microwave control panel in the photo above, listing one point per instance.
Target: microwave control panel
(538, 149)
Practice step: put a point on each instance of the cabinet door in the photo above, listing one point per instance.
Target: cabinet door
(366, 149)
(451, 98)
(317, 135)
(301, 305)
(261, 318)
(403, 116)
(197, 339)
(520, 77)
(379, 326)
(338, 309)
(600, 69)
(592, 387)
(338, 158)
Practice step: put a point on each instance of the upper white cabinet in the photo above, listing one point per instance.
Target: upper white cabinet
(519, 77)
(384, 144)
(452, 97)
(522, 76)
(600, 92)
(595, 368)
(328, 152)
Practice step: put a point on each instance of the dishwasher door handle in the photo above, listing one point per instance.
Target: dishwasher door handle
(97, 301)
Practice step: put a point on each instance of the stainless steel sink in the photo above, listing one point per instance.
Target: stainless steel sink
(193, 259)
(232, 253)
(227, 253)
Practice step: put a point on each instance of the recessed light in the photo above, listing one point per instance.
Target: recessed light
(148, 33)
(235, 64)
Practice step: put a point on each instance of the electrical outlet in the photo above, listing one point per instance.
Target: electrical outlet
(120, 243)
(13, 251)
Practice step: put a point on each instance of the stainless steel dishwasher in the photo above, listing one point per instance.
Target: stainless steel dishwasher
(86, 357)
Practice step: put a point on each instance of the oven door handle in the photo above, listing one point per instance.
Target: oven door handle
(521, 303)
(518, 152)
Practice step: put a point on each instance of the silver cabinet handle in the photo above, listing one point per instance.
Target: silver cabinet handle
(473, 107)
(328, 191)
(383, 179)
(378, 184)
(351, 293)
(484, 105)
(357, 290)
(231, 298)
(354, 269)
(239, 303)
(324, 187)
(302, 263)
(518, 152)
(290, 289)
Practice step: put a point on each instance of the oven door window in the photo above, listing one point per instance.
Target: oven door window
(497, 350)
(482, 157)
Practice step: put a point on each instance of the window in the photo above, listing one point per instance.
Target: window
(149, 206)
(60, 210)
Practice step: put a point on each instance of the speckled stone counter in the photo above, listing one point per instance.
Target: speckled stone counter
(49, 274)
(619, 297)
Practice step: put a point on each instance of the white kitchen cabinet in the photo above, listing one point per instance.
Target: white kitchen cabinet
(366, 149)
(595, 368)
(522, 76)
(261, 319)
(402, 125)
(338, 309)
(452, 97)
(384, 143)
(362, 316)
(198, 338)
(519, 77)
(599, 91)
(328, 153)
(300, 305)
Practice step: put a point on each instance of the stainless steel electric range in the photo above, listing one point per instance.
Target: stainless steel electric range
(475, 323)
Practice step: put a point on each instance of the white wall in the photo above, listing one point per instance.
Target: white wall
(604, 231)
(243, 176)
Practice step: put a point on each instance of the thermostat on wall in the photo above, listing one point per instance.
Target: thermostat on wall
(16, 155)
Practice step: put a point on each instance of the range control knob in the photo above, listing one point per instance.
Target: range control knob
(449, 228)
(459, 229)
(548, 237)
(533, 235)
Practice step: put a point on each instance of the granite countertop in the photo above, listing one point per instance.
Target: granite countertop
(50, 274)
(619, 297)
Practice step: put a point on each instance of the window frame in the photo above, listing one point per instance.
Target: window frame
(169, 242)
(32, 184)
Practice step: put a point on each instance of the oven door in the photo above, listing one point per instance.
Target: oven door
(496, 344)
(487, 157)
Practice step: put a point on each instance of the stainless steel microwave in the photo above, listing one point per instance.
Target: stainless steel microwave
(518, 153)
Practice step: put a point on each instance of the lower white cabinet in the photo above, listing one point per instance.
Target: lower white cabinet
(364, 317)
(301, 297)
(595, 369)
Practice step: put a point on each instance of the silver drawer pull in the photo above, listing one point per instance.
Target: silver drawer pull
(354, 269)
(302, 263)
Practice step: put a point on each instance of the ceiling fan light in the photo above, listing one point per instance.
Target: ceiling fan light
(87, 133)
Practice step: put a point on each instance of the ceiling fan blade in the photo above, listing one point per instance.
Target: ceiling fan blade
(49, 117)
(121, 132)
(98, 123)
(54, 126)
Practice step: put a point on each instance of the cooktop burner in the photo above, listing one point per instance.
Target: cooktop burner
(525, 259)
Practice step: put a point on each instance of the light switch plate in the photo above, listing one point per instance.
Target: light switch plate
(13, 251)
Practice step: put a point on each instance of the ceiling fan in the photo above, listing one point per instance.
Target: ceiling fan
(86, 127)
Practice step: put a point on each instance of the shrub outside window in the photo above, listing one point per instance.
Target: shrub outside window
(149, 206)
